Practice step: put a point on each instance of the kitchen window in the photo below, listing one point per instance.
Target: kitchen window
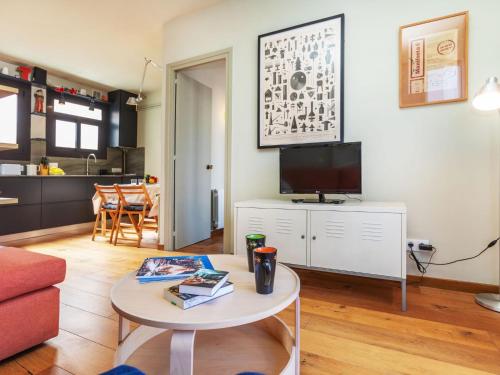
(75, 127)
(15, 100)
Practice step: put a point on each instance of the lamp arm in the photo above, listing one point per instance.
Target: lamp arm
(146, 63)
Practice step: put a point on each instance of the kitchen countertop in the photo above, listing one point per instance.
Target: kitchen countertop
(4, 200)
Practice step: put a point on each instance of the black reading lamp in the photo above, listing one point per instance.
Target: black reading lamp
(488, 99)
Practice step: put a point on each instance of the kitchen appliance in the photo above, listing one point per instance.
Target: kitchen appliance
(321, 169)
(11, 169)
(31, 170)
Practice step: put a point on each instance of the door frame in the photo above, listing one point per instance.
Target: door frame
(167, 187)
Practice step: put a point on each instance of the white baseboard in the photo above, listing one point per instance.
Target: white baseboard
(75, 228)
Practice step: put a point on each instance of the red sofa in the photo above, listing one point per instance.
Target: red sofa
(29, 302)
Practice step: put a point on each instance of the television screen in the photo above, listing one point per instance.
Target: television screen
(322, 169)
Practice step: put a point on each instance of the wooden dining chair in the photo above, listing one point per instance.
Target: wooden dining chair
(135, 203)
(108, 206)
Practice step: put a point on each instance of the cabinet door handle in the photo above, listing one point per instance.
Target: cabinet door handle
(314, 237)
(302, 236)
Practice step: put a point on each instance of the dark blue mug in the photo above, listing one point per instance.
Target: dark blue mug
(265, 268)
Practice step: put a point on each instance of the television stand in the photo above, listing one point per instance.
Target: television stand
(321, 199)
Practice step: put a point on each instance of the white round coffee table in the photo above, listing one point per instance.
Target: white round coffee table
(236, 332)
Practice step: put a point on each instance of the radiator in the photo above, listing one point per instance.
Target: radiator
(215, 209)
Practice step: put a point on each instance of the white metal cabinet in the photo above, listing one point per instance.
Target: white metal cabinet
(284, 230)
(361, 238)
(358, 242)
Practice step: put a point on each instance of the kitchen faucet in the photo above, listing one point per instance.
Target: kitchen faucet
(88, 158)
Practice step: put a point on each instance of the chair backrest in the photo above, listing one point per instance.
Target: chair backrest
(106, 193)
(137, 193)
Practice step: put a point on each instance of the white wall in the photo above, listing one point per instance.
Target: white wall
(213, 75)
(441, 160)
(149, 122)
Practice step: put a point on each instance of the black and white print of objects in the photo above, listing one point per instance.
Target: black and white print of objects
(310, 93)
(311, 127)
(311, 113)
(298, 80)
(268, 96)
(321, 109)
(303, 127)
(267, 115)
(285, 91)
(328, 57)
(301, 96)
(299, 105)
(326, 124)
(303, 116)
(274, 78)
(294, 125)
(293, 96)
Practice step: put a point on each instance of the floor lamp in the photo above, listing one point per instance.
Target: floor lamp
(488, 99)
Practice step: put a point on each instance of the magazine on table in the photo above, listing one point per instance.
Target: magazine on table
(172, 268)
(185, 301)
(205, 282)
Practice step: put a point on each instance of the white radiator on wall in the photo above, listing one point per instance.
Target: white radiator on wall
(214, 209)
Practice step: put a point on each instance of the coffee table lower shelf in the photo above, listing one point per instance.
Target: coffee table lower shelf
(266, 346)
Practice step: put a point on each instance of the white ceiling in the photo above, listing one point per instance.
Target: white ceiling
(95, 41)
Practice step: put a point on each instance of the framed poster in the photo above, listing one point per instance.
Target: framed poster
(433, 61)
(301, 84)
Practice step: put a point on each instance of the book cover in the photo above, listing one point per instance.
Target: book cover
(185, 301)
(204, 282)
(171, 268)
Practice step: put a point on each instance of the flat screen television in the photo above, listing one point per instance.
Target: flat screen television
(321, 169)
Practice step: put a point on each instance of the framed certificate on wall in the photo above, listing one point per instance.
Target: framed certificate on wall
(433, 61)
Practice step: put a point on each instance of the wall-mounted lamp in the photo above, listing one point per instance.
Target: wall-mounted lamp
(488, 98)
(136, 100)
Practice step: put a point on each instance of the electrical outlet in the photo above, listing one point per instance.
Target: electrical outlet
(416, 243)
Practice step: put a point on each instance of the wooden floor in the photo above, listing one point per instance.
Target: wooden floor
(349, 325)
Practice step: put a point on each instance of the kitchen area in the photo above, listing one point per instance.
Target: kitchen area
(57, 139)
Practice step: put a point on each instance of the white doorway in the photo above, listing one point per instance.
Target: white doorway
(199, 153)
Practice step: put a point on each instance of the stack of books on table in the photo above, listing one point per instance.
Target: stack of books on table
(203, 286)
(171, 268)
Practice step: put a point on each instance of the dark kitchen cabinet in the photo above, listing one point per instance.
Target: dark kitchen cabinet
(26, 189)
(48, 202)
(122, 130)
(66, 213)
(17, 219)
(65, 189)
